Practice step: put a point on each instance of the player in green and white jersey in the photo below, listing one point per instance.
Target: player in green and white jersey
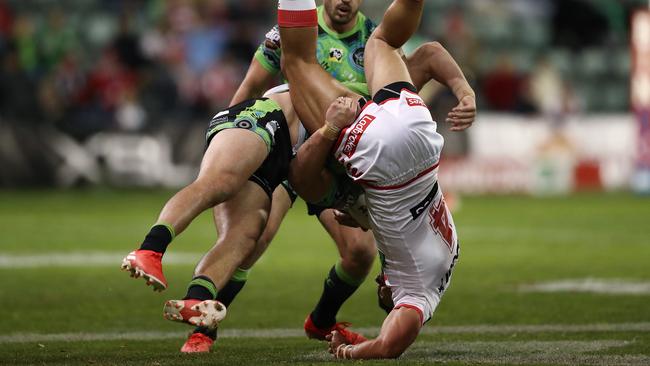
(340, 54)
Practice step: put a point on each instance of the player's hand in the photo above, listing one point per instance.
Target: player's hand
(346, 219)
(341, 113)
(384, 294)
(462, 116)
(335, 340)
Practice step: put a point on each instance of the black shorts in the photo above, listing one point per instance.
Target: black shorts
(263, 117)
(315, 210)
(292, 194)
(342, 193)
(312, 209)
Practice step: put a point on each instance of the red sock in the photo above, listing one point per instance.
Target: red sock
(297, 13)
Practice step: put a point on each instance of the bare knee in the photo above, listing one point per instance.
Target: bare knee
(246, 240)
(260, 247)
(360, 251)
(232, 248)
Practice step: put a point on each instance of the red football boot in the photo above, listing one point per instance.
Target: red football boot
(148, 265)
(206, 313)
(197, 343)
(319, 333)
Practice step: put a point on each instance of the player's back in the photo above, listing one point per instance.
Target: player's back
(393, 140)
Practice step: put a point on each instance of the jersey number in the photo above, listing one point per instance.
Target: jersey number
(440, 221)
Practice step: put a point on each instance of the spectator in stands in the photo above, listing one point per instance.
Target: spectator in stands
(502, 85)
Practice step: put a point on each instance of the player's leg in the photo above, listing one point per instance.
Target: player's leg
(400, 329)
(240, 221)
(356, 247)
(312, 88)
(382, 61)
(219, 179)
(357, 251)
(283, 198)
(281, 203)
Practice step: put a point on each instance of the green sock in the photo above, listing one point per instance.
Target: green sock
(201, 288)
(226, 295)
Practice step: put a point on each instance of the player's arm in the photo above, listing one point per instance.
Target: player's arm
(264, 67)
(255, 83)
(307, 174)
(432, 61)
(399, 331)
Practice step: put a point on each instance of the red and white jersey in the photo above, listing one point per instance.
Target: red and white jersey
(392, 150)
(417, 241)
(390, 142)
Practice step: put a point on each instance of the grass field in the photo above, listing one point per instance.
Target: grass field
(64, 300)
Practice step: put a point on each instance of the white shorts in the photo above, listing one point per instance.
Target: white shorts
(392, 149)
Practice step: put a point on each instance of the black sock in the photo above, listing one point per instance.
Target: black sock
(201, 288)
(226, 295)
(158, 238)
(335, 292)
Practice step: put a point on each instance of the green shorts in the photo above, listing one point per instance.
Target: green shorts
(263, 117)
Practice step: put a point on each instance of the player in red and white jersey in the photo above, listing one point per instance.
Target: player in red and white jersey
(392, 149)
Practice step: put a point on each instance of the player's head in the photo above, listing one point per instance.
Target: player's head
(342, 12)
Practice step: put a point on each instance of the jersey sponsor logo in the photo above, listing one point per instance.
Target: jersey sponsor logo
(336, 54)
(272, 40)
(444, 281)
(271, 127)
(413, 102)
(418, 209)
(358, 56)
(221, 114)
(440, 221)
(354, 136)
(244, 123)
(219, 118)
(351, 171)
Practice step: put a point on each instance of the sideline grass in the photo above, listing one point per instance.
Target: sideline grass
(507, 242)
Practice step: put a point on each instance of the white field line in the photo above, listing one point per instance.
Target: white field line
(297, 332)
(80, 258)
(85, 258)
(592, 285)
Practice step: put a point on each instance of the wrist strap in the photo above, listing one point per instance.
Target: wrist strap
(344, 351)
(330, 131)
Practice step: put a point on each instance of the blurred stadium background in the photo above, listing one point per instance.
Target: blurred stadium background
(99, 99)
(118, 92)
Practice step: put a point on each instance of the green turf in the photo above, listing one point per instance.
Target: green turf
(506, 242)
